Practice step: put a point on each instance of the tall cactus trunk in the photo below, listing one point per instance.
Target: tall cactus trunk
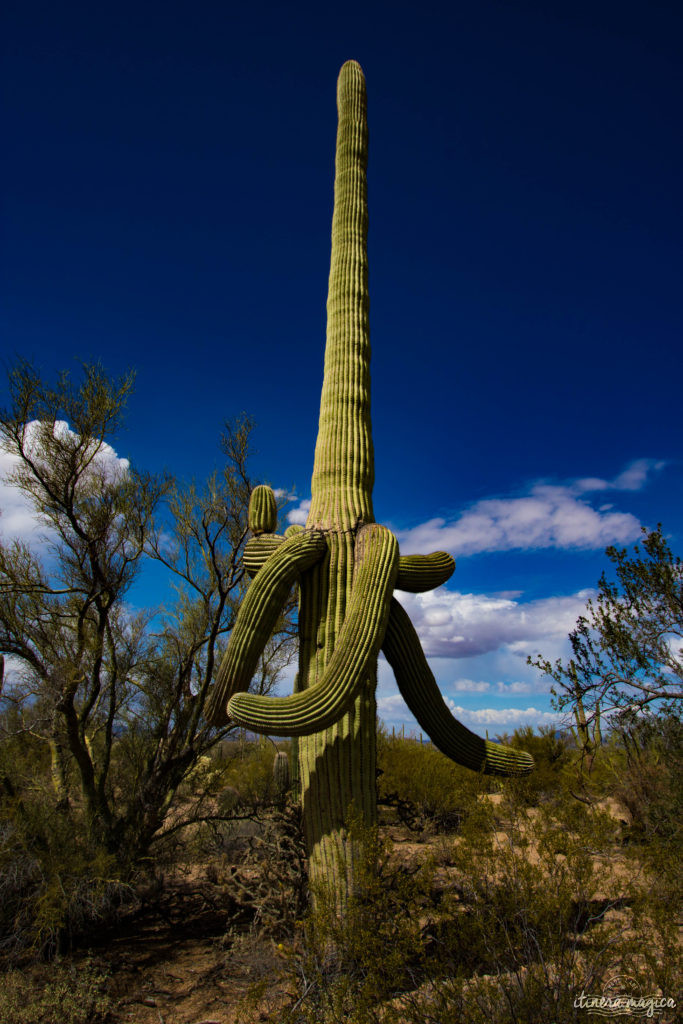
(347, 567)
(338, 764)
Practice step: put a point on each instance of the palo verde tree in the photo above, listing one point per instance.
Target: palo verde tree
(626, 667)
(114, 698)
(347, 567)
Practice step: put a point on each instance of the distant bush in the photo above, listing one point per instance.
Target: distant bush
(246, 776)
(430, 790)
(552, 754)
(648, 758)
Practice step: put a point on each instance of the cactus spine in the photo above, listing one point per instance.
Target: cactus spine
(347, 568)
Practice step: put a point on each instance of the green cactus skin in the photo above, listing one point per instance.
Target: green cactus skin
(347, 567)
(262, 515)
(294, 528)
(355, 653)
(258, 550)
(403, 651)
(417, 573)
(281, 775)
(258, 614)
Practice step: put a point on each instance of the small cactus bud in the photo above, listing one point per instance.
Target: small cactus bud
(262, 510)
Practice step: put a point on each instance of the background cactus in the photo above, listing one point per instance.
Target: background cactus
(347, 567)
(281, 775)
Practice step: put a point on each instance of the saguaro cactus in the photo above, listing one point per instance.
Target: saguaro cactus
(347, 567)
(281, 775)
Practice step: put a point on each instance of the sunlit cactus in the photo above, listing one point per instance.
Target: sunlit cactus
(347, 568)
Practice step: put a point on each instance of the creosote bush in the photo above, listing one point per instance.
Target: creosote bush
(347, 965)
(429, 790)
(537, 905)
(55, 884)
(73, 994)
(553, 756)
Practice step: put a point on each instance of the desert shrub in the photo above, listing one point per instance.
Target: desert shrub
(73, 994)
(266, 883)
(539, 905)
(348, 965)
(552, 756)
(428, 789)
(543, 909)
(648, 762)
(246, 777)
(56, 882)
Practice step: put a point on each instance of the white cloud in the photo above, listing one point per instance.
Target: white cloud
(394, 713)
(522, 687)
(455, 625)
(549, 516)
(299, 515)
(470, 686)
(17, 517)
(630, 479)
(503, 718)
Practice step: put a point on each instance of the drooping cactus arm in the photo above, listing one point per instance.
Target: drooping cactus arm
(355, 653)
(418, 573)
(419, 689)
(258, 614)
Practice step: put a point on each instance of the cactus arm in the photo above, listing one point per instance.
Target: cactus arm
(417, 573)
(355, 653)
(258, 614)
(419, 689)
(258, 550)
(262, 514)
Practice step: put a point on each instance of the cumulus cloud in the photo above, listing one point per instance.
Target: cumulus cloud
(394, 713)
(470, 686)
(17, 516)
(299, 515)
(500, 687)
(503, 718)
(455, 625)
(548, 516)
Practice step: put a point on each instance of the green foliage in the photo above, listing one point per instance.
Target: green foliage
(103, 726)
(647, 761)
(429, 789)
(537, 906)
(627, 657)
(72, 994)
(54, 883)
(349, 963)
(552, 756)
(248, 772)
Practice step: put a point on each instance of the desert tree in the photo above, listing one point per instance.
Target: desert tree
(115, 696)
(625, 674)
(627, 651)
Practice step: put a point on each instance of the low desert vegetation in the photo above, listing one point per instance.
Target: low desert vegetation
(494, 901)
(152, 865)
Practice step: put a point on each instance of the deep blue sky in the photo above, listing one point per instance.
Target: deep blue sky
(167, 186)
